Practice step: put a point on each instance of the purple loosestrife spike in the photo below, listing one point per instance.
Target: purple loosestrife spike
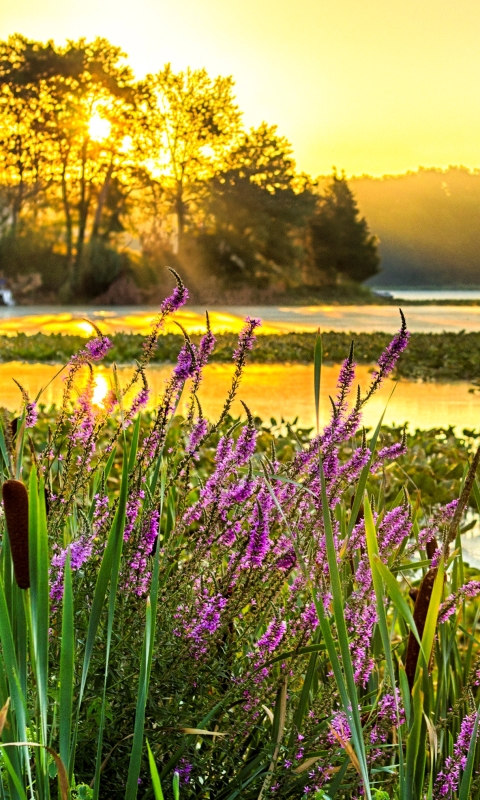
(391, 354)
(98, 348)
(31, 415)
(246, 338)
(449, 778)
(448, 608)
(199, 431)
(272, 637)
(178, 298)
(15, 503)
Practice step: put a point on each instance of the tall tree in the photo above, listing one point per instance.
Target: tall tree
(71, 123)
(257, 207)
(341, 243)
(197, 122)
(26, 155)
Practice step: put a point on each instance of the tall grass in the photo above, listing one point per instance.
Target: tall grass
(205, 616)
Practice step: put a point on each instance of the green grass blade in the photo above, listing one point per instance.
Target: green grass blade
(157, 786)
(351, 710)
(373, 555)
(42, 622)
(397, 597)
(302, 707)
(67, 666)
(137, 746)
(111, 555)
(13, 775)
(114, 575)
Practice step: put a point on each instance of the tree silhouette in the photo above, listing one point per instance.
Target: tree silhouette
(256, 205)
(341, 243)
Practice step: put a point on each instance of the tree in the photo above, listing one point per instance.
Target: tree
(195, 123)
(257, 207)
(71, 131)
(341, 243)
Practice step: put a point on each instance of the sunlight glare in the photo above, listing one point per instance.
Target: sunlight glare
(100, 389)
(98, 127)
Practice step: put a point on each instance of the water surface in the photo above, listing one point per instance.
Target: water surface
(272, 390)
(276, 319)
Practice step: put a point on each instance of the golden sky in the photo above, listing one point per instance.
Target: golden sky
(370, 86)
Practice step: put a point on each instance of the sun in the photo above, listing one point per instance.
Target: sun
(98, 127)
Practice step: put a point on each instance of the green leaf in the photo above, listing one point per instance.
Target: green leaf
(157, 786)
(67, 667)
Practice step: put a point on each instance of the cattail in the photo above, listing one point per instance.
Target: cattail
(15, 503)
(431, 547)
(419, 617)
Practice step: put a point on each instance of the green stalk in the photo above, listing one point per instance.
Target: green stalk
(67, 667)
(373, 555)
(348, 689)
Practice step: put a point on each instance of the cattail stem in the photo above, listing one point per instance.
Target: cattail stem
(15, 503)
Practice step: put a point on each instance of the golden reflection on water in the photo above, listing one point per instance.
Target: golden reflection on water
(270, 391)
(140, 322)
(281, 319)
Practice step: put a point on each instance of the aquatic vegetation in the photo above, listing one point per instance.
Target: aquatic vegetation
(430, 356)
(280, 614)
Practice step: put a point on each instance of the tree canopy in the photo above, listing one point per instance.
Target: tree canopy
(101, 174)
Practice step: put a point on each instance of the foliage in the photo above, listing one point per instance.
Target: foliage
(238, 594)
(430, 356)
(102, 168)
(341, 243)
(256, 205)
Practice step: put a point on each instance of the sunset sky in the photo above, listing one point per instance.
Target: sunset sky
(370, 86)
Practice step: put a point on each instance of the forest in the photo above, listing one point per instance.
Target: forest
(105, 180)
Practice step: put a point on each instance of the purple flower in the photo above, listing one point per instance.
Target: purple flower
(448, 608)
(448, 780)
(186, 365)
(31, 415)
(198, 432)
(246, 339)
(246, 443)
(138, 576)
(200, 620)
(177, 299)
(97, 348)
(391, 354)
(272, 637)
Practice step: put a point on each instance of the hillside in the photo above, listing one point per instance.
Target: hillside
(428, 223)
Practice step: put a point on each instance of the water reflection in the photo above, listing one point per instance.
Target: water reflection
(276, 319)
(271, 391)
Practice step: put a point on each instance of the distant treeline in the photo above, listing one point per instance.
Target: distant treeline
(428, 223)
(429, 356)
(104, 180)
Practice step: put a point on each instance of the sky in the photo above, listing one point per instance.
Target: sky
(368, 86)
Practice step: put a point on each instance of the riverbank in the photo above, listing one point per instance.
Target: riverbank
(429, 356)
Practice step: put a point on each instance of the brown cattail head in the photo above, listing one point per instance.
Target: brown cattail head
(431, 547)
(419, 617)
(15, 503)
